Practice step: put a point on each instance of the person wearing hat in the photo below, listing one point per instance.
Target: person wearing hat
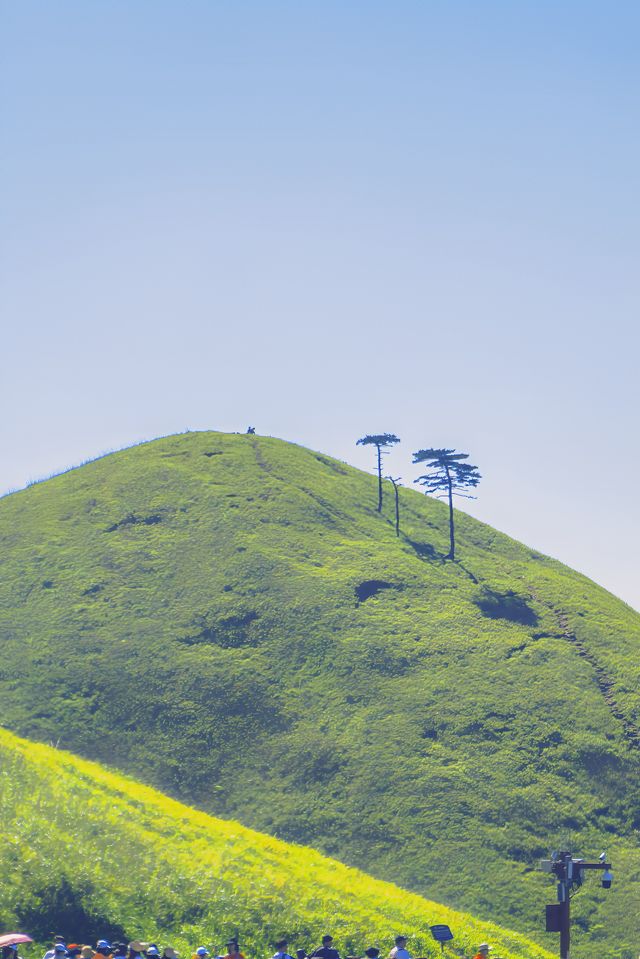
(154, 952)
(281, 946)
(201, 953)
(372, 952)
(483, 951)
(169, 953)
(326, 950)
(57, 941)
(136, 948)
(103, 947)
(399, 951)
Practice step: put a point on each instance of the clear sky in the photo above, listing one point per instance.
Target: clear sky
(332, 218)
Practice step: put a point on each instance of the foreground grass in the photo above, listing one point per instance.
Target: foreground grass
(188, 611)
(133, 861)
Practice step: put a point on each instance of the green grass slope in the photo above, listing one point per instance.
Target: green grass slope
(187, 610)
(89, 852)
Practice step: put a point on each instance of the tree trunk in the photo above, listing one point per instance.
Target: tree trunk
(452, 541)
(379, 478)
(397, 509)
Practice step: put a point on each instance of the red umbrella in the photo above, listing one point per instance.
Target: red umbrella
(12, 938)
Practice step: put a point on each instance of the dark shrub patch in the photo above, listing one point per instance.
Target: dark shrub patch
(133, 520)
(506, 606)
(91, 590)
(229, 633)
(66, 909)
(370, 587)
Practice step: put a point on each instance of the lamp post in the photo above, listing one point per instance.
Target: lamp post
(568, 873)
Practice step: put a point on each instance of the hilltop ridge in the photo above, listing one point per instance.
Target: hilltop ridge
(214, 609)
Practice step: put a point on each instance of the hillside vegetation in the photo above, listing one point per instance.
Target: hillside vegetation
(90, 853)
(229, 618)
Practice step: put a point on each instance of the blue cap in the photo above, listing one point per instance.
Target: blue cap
(201, 951)
(103, 944)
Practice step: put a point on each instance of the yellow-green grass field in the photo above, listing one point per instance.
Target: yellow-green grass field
(151, 867)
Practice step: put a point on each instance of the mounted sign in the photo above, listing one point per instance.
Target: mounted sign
(441, 933)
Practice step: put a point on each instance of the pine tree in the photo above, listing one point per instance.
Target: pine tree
(381, 441)
(447, 474)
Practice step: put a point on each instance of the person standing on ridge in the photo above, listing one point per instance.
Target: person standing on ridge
(326, 950)
(399, 951)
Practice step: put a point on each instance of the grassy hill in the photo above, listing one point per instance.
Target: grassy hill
(228, 618)
(89, 852)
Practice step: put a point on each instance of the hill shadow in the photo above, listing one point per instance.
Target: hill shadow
(424, 550)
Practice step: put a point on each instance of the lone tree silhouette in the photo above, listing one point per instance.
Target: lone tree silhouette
(381, 441)
(447, 474)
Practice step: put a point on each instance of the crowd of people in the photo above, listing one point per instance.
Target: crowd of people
(150, 950)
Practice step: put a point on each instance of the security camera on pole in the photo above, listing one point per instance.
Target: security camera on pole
(569, 874)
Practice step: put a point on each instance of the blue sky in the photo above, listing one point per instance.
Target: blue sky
(327, 219)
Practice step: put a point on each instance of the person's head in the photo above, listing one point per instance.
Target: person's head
(59, 938)
(201, 951)
(103, 947)
(372, 952)
(327, 940)
(136, 948)
(301, 954)
(154, 952)
(281, 945)
(484, 949)
(86, 952)
(59, 950)
(169, 953)
(401, 941)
